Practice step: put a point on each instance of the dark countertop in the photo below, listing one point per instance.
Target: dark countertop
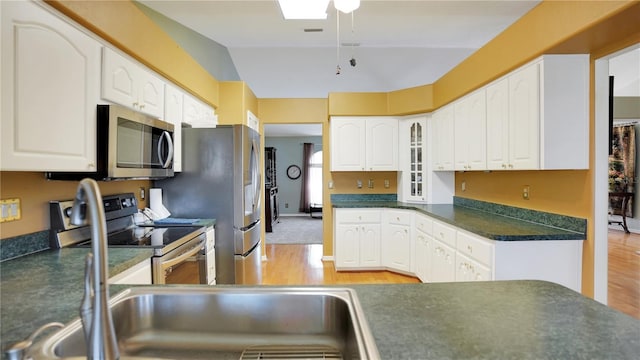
(48, 286)
(495, 320)
(491, 226)
(482, 320)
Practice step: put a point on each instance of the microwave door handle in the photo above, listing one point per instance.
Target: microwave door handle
(171, 262)
(167, 136)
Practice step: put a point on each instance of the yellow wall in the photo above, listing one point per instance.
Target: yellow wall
(235, 99)
(35, 192)
(551, 27)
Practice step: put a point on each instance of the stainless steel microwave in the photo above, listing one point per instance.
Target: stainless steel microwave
(131, 145)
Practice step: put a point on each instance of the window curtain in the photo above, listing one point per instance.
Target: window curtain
(622, 168)
(305, 194)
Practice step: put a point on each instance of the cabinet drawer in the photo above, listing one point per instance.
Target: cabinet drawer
(475, 248)
(444, 233)
(357, 216)
(398, 217)
(424, 224)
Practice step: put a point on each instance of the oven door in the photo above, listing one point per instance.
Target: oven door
(183, 265)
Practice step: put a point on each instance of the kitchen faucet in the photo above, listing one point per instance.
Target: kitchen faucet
(94, 310)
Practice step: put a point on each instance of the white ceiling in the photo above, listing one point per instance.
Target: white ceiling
(402, 43)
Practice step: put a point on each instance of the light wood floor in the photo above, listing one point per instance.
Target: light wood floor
(303, 265)
(624, 272)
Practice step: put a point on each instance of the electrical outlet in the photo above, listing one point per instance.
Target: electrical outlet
(463, 186)
(370, 183)
(286, 205)
(526, 190)
(386, 184)
(359, 184)
(330, 184)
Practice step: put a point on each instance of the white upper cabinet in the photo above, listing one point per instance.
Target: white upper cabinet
(564, 114)
(382, 144)
(50, 88)
(364, 143)
(413, 159)
(129, 84)
(198, 114)
(442, 138)
(537, 116)
(524, 119)
(498, 125)
(470, 132)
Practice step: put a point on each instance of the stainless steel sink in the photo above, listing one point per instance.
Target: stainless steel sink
(229, 323)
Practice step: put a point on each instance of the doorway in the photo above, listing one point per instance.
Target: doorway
(605, 67)
(297, 150)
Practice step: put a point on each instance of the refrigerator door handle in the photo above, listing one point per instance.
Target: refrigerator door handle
(250, 226)
(257, 179)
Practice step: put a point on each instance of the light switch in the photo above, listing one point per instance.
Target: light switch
(10, 210)
(359, 184)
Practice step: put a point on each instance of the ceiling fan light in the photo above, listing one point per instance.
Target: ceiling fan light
(346, 6)
(304, 10)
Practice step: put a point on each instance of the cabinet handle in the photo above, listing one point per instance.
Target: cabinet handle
(504, 166)
(470, 248)
(141, 106)
(510, 166)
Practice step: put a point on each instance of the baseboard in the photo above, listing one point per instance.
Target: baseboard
(327, 258)
(292, 215)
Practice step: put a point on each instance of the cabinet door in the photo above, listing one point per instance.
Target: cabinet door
(370, 245)
(381, 144)
(412, 158)
(119, 79)
(347, 144)
(477, 131)
(347, 246)
(129, 84)
(468, 269)
(423, 268)
(470, 132)
(524, 118)
(443, 139)
(173, 114)
(50, 88)
(443, 263)
(396, 247)
(498, 125)
(151, 93)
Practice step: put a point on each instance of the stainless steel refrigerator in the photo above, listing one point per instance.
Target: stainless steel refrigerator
(221, 179)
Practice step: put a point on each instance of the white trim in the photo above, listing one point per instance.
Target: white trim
(264, 258)
(327, 258)
(600, 181)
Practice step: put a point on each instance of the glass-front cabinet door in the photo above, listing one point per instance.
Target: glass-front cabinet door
(414, 146)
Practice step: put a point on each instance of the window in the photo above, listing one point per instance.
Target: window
(315, 176)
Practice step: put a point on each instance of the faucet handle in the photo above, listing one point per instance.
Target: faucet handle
(16, 352)
(78, 213)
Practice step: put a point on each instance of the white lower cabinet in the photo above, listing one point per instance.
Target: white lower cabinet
(468, 269)
(357, 239)
(397, 245)
(410, 242)
(443, 267)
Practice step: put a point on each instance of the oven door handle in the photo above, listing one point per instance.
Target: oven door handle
(171, 262)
